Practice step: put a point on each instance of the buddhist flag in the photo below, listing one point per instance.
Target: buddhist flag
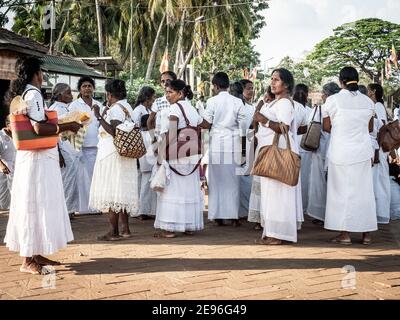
(393, 57)
(164, 66)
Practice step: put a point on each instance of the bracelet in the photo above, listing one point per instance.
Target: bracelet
(58, 129)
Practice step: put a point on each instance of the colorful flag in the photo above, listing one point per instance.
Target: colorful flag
(164, 66)
(393, 57)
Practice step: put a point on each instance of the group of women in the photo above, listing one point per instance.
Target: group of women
(346, 198)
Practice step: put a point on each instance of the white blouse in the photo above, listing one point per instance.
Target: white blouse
(350, 113)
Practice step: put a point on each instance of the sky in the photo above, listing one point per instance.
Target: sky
(296, 26)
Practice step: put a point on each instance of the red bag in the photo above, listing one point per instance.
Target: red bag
(187, 142)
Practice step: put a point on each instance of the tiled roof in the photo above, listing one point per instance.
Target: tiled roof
(68, 65)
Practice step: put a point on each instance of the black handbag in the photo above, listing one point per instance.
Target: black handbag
(310, 140)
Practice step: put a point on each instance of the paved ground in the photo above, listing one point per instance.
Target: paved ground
(218, 263)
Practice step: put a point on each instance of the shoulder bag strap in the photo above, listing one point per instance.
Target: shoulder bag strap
(185, 175)
(184, 114)
(41, 121)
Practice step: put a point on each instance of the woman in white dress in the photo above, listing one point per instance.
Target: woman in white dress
(38, 223)
(317, 183)
(71, 175)
(381, 166)
(114, 187)
(280, 210)
(7, 164)
(180, 206)
(141, 113)
(348, 117)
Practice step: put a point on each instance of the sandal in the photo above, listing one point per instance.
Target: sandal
(109, 237)
(366, 241)
(168, 235)
(340, 241)
(270, 242)
(126, 235)
(43, 261)
(32, 268)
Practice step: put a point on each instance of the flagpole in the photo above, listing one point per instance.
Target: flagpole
(51, 26)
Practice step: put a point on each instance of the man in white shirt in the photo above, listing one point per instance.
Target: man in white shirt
(225, 115)
(85, 103)
(159, 116)
(200, 106)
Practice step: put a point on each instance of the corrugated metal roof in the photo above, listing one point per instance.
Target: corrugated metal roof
(67, 65)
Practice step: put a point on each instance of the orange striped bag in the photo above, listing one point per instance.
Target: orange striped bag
(25, 138)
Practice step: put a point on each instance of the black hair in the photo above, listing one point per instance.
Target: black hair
(363, 89)
(236, 89)
(301, 93)
(378, 91)
(270, 93)
(145, 94)
(349, 74)
(287, 78)
(245, 82)
(221, 80)
(169, 73)
(25, 68)
(143, 121)
(85, 79)
(180, 85)
(116, 88)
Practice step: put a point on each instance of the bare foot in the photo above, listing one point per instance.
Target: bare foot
(43, 261)
(164, 234)
(270, 241)
(367, 239)
(31, 267)
(341, 239)
(109, 237)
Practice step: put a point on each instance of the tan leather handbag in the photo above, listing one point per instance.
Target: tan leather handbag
(276, 163)
(310, 140)
(389, 136)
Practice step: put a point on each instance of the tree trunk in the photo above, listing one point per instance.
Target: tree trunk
(185, 63)
(179, 46)
(99, 29)
(154, 49)
(57, 43)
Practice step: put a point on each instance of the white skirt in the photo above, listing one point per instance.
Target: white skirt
(180, 206)
(317, 188)
(254, 203)
(147, 198)
(394, 200)
(223, 186)
(87, 159)
(245, 191)
(381, 180)
(350, 204)
(305, 175)
(280, 209)
(38, 223)
(115, 185)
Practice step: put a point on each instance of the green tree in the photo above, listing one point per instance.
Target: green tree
(364, 44)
